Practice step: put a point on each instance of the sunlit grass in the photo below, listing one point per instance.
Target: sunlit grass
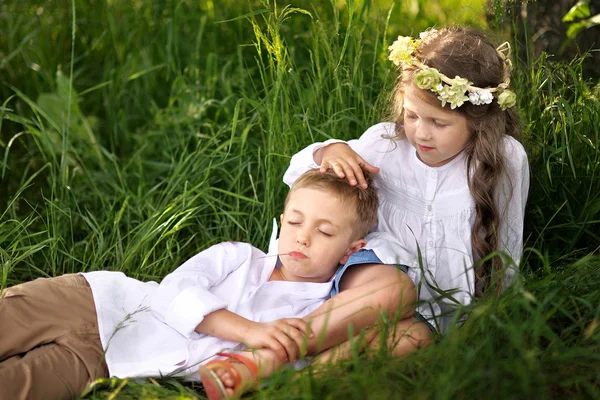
(181, 120)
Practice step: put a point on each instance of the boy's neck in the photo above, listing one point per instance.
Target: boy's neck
(276, 275)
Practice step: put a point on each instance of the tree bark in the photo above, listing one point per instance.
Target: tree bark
(541, 21)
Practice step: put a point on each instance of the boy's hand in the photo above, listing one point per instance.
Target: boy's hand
(286, 337)
(345, 162)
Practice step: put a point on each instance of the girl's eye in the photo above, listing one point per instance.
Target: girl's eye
(326, 234)
(410, 116)
(438, 124)
(293, 223)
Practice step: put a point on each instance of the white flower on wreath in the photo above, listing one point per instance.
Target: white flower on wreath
(480, 97)
(424, 34)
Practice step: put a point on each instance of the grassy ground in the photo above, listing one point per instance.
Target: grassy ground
(134, 134)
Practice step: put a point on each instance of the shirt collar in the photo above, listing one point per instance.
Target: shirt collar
(271, 256)
(273, 240)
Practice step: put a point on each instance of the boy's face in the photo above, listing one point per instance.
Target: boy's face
(316, 235)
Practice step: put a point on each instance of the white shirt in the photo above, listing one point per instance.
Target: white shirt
(147, 329)
(431, 209)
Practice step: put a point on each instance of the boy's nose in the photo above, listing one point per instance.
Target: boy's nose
(302, 239)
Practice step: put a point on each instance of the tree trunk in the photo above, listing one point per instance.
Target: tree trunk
(541, 20)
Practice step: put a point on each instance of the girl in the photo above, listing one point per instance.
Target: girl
(452, 185)
(454, 179)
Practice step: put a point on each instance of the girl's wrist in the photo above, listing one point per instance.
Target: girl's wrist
(318, 155)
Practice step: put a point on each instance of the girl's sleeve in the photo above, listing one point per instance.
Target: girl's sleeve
(183, 297)
(511, 198)
(368, 146)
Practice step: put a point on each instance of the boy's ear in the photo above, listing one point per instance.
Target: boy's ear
(281, 218)
(354, 247)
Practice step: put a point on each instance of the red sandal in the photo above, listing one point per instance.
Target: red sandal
(214, 388)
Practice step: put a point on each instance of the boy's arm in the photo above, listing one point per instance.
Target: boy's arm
(225, 325)
(285, 336)
(184, 302)
(183, 298)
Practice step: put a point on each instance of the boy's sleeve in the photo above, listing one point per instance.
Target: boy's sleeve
(511, 196)
(184, 298)
(369, 146)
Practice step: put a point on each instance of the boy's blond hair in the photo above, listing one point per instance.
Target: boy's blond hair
(364, 202)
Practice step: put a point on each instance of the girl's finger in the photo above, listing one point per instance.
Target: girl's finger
(366, 166)
(331, 165)
(358, 174)
(336, 166)
(349, 172)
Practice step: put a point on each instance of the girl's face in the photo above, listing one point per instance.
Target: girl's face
(437, 134)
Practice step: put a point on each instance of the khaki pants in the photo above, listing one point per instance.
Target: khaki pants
(49, 342)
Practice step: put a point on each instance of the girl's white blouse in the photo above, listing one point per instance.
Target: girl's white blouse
(431, 211)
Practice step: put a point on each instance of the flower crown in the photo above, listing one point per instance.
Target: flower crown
(454, 91)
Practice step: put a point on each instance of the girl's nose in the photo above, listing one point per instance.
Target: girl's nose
(422, 131)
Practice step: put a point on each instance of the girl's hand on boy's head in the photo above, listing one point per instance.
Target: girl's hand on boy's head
(286, 337)
(345, 162)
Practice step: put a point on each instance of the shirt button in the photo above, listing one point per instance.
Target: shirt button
(433, 174)
(429, 207)
(430, 243)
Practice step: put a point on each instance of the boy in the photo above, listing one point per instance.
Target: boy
(59, 334)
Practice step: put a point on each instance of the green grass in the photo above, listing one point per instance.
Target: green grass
(138, 133)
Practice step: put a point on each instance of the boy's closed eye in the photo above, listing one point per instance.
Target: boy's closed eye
(324, 232)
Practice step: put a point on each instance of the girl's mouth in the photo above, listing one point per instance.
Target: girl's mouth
(297, 255)
(425, 148)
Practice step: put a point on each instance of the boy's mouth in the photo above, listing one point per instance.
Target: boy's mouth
(297, 255)
(425, 148)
